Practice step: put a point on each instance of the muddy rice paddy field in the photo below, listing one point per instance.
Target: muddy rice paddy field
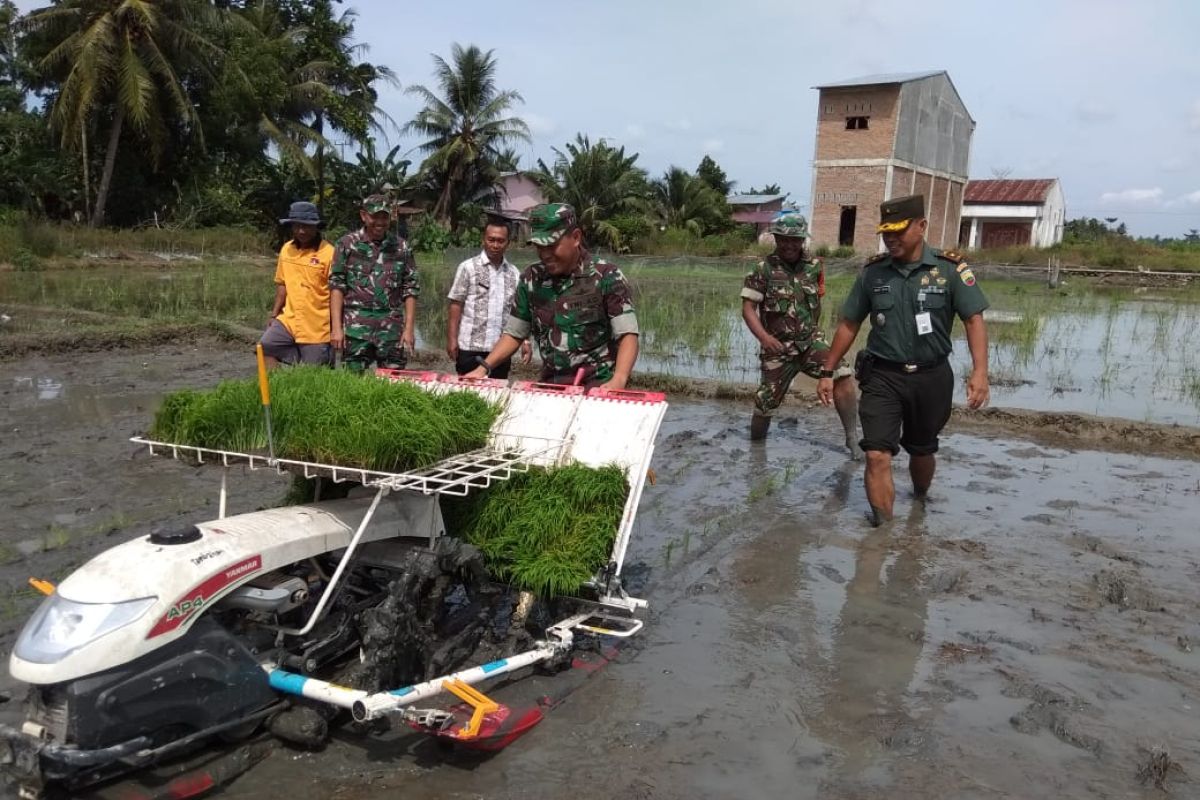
(1031, 632)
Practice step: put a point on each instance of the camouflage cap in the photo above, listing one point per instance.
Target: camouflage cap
(376, 203)
(895, 214)
(789, 223)
(548, 223)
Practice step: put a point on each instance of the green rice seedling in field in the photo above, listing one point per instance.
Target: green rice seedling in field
(330, 416)
(238, 293)
(546, 530)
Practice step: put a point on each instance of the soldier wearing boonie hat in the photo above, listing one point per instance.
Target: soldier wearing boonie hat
(911, 293)
(578, 308)
(373, 287)
(781, 305)
(299, 328)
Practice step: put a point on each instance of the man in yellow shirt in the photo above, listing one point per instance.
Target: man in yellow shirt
(299, 328)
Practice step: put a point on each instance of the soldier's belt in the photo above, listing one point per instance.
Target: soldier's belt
(374, 311)
(907, 367)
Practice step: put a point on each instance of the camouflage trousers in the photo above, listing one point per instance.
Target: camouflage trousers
(778, 372)
(373, 339)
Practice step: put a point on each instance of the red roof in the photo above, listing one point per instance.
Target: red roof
(1027, 191)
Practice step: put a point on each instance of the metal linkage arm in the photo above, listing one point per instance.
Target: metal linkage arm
(332, 586)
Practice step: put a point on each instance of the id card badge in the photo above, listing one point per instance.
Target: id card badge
(924, 324)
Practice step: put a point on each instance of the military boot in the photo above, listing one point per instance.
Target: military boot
(758, 427)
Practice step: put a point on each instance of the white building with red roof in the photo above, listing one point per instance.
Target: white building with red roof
(1008, 213)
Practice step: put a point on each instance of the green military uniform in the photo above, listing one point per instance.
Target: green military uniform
(906, 380)
(788, 297)
(576, 319)
(893, 294)
(375, 279)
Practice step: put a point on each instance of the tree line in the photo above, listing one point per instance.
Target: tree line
(219, 112)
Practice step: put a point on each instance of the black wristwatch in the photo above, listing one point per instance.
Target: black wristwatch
(487, 370)
(826, 373)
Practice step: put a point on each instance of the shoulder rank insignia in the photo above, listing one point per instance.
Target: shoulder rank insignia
(875, 258)
(951, 255)
(964, 272)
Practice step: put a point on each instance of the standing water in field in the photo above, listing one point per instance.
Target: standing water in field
(1136, 358)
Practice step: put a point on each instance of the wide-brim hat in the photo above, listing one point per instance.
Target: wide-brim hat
(302, 212)
(790, 224)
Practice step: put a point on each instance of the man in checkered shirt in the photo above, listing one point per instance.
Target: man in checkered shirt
(480, 297)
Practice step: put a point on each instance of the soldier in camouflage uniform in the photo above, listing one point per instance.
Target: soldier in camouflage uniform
(781, 304)
(373, 288)
(579, 309)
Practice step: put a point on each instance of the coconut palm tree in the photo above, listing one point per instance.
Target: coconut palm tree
(465, 128)
(121, 61)
(308, 80)
(599, 180)
(351, 106)
(687, 201)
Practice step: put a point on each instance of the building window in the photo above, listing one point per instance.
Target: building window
(846, 224)
(856, 123)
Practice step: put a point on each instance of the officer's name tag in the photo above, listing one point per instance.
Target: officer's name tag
(924, 324)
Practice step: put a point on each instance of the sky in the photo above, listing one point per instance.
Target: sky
(1102, 94)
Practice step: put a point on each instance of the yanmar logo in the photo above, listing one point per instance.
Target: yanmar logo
(243, 568)
(196, 598)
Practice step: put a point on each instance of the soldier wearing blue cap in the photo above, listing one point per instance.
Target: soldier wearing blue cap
(911, 294)
(299, 327)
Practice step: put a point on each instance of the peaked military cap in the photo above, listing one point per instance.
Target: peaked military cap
(548, 223)
(897, 213)
(376, 203)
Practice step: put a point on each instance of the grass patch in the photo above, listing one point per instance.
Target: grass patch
(547, 530)
(1114, 254)
(57, 240)
(330, 416)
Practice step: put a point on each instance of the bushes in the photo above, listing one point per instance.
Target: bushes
(679, 241)
(426, 235)
(841, 251)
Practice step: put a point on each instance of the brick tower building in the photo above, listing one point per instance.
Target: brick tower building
(886, 136)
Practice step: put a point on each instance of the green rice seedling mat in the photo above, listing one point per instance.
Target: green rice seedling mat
(330, 417)
(547, 530)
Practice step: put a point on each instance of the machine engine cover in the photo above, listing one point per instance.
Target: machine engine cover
(202, 679)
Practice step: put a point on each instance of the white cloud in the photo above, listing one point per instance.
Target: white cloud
(539, 125)
(680, 125)
(1136, 196)
(634, 132)
(712, 146)
(1194, 121)
(1191, 198)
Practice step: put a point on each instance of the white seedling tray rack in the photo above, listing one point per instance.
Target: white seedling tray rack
(540, 424)
(457, 475)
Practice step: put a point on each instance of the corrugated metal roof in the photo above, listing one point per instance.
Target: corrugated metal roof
(887, 77)
(1023, 190)
(753, 199)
